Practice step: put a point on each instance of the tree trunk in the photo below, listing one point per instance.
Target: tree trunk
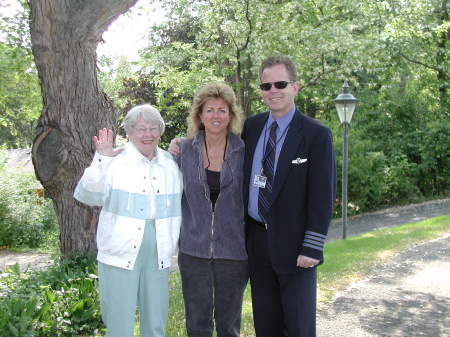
(443, 41)
(246, 91)
(64, 36)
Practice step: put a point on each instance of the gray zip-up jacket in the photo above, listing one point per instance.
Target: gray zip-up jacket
(204, 233)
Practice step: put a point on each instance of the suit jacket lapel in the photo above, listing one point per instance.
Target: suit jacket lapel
(287, 153)
(251, 140)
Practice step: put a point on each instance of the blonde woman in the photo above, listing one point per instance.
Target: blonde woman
(212, 255)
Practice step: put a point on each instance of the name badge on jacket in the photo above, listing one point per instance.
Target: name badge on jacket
(260, 181)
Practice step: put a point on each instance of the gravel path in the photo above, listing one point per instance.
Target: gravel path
(410, 297)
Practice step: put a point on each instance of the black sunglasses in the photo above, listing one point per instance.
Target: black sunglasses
(279, 85)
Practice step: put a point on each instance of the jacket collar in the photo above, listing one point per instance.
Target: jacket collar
(133, 153)
(234, 142)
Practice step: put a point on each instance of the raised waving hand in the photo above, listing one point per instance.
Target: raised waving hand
(104, 143)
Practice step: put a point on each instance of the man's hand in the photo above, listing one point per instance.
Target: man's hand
(306, 262)
(174, 146)
(104, 143)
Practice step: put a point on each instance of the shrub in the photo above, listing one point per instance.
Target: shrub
(25, 216)
(401, 180)
(367, 181)
(365, 176)
(434, 152)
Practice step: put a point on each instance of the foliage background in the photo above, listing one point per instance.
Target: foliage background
(27, 219)
(395, 54)
(20, 94)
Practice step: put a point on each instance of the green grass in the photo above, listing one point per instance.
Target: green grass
(346, 261)
(176, 322)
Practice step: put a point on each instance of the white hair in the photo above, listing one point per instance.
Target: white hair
(148, 113)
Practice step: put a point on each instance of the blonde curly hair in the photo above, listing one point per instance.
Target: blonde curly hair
(214, 90)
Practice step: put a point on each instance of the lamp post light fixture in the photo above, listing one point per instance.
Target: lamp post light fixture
(345, 105)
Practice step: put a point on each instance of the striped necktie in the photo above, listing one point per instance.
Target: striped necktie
(268, 165)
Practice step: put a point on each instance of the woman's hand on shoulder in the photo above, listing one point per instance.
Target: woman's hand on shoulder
(175, 146)
(104, 143)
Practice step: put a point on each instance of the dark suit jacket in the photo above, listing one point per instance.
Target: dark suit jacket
(303, 192)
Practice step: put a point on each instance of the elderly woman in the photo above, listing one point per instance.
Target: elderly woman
(139, 190)
(212, 256)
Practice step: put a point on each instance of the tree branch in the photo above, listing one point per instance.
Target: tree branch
(96, 15)
(425, 65)
(247, 17)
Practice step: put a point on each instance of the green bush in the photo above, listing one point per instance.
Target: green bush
(400, 180)
(399, 152)
(434, 164)
(366, 181)
(62, 301)
(25, 216)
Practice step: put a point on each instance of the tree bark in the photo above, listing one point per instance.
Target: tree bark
(64, 37)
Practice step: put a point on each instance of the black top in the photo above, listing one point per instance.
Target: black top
(213, 179)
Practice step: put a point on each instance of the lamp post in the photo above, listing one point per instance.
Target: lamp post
(345, 105)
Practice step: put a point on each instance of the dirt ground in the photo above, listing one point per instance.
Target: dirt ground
(25, 260)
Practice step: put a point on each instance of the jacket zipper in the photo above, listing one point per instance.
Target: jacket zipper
(212, 233)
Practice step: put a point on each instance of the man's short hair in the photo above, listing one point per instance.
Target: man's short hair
(280, 59)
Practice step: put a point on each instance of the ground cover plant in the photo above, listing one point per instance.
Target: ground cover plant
(60, 301)
(63, 300)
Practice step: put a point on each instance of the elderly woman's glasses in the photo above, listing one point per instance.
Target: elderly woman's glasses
(142, 131)
(279, 85)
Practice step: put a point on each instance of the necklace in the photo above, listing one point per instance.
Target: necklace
(206, 149)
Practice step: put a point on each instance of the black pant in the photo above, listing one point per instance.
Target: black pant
(212, 286)
(283, 304)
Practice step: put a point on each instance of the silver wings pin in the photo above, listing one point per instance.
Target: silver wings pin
(299, 160)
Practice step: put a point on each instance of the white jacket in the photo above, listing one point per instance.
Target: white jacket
(126, 186)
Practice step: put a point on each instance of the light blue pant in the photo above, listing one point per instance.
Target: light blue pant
(122, 290)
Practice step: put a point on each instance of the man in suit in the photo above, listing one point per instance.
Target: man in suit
(289, 188)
